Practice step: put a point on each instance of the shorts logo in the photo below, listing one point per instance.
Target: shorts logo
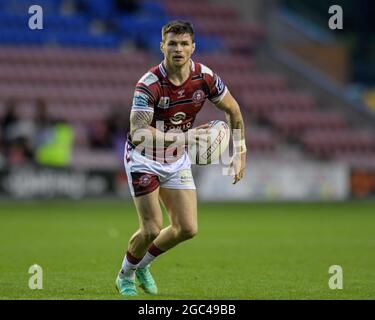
(144, 180)
(178, 117)
(185, 176)
(198, 96)
(164, 102)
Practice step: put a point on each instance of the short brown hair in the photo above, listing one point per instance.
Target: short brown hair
(177, 27)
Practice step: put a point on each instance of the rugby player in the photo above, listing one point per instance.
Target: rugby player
(167, 99)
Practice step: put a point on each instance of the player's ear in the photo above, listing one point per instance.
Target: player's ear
(162, 47)
(193, 48)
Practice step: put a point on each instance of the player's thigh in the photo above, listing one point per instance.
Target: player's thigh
(149, 211)
(181, 205)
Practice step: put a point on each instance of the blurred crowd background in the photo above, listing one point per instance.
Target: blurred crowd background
(307, 92)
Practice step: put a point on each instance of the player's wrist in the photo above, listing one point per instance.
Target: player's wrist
(239, 147)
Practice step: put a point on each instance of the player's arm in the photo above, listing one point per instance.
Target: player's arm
(142, 132)
(140, 128)
(141, 116)
(235, 121)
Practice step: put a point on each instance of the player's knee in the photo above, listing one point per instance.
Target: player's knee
(151, 233)
(188, 232)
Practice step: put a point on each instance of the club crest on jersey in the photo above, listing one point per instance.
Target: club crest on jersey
(144, 180)
(198, 96)
(164, 102)
(178, 118)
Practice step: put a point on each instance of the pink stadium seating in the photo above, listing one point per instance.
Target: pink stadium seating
(326, 143)
(261, 140)
(61, 75)
(232, 29)
(356, 159)
(261, 104)
(225, 62)
(74, 57)
(293, 123)
(241, 82)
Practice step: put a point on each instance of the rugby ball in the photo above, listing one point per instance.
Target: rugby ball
(209, 148)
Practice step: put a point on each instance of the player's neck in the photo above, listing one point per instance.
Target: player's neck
(178, 75)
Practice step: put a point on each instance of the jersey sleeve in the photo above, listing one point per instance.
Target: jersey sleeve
(145, 93)
(217, 88)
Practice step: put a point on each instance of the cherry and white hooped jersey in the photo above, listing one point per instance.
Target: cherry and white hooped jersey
(177, 106)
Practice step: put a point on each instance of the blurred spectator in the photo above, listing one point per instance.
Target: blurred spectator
(41, 115)
(109, 133)
(99, 136)
(53, 139)
(20, 152)
(9, 121)
(56, 151)
(2, 156)
(42, 123)
(17, 135)
(118, 127)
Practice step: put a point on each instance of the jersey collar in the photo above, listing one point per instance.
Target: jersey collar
(164, 72)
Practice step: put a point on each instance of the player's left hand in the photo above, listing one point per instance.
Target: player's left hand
(238, 163)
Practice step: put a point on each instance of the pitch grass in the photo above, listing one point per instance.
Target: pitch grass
(242, 251)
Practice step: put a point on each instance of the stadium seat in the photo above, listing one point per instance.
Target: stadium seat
(325, 143)
(293, 123)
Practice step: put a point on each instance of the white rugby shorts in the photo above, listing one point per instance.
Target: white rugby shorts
(146, 175)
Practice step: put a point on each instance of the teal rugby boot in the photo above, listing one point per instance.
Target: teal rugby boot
(126, 287)
(147, 282)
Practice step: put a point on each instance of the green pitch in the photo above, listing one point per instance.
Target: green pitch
(242, 251)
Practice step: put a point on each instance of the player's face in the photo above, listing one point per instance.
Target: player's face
(177, 48)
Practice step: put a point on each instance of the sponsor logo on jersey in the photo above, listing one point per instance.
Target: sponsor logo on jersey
(219, 84)
(144, 180)
(164, 102)
(198, 96)
(183, 127)
(178, 118)
(149, 78)
(140, 99)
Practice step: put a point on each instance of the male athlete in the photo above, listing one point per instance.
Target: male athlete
(170, 94)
